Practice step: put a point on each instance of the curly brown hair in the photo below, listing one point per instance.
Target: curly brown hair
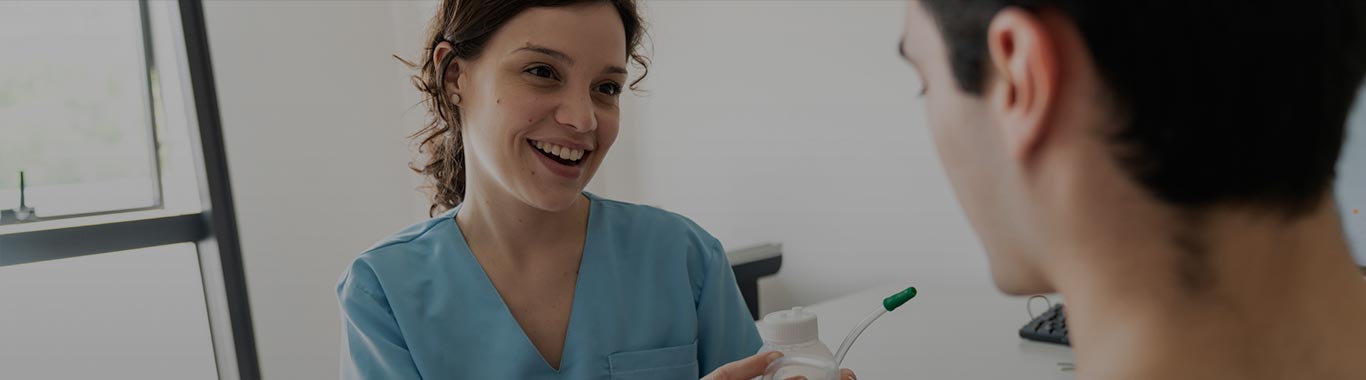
(468, 25)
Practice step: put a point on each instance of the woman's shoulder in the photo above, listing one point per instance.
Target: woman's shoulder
(621, 212)
(419, 233)
(642, 223)
(411, 248)
(415, 239)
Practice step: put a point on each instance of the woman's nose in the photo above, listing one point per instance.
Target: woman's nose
(577, 112)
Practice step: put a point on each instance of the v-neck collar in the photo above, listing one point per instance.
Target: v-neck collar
(575, 309)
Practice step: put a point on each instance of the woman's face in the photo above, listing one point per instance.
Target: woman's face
(540, 103)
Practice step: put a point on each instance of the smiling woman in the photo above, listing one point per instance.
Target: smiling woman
(523, 275)
(461, 31)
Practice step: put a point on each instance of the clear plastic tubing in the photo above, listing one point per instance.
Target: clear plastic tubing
(888, 304)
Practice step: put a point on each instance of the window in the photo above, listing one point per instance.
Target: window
(118, 248)
(76, 107)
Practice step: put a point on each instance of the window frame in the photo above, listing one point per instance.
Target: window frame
(213, 228)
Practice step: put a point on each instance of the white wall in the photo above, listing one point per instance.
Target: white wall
(1351, 184)
(794, 122)
(313, 109)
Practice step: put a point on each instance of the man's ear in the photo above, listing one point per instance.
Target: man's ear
(452, 70)
(1023, 91)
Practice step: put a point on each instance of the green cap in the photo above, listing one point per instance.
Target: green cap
(895, 301)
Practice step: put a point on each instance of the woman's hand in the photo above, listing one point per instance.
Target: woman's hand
(745, 369)
(754, 366)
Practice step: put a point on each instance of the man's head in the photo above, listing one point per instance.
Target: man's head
(1046, 110)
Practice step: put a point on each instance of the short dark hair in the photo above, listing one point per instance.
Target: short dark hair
(1224, 101)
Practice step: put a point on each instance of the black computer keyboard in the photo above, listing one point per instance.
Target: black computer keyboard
(1050, 327)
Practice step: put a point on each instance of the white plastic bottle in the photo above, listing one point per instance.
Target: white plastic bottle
(794, 333)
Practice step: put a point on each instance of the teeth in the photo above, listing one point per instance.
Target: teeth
(560, 151)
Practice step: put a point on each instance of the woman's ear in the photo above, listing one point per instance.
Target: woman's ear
(450, 77)
(1025, 67)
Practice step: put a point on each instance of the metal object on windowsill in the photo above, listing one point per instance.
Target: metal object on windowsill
(21, 214)
(751, 264)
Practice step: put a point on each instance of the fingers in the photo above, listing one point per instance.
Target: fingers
(745, 369)
(845, 374)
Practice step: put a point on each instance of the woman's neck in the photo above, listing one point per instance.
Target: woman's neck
(503, 224)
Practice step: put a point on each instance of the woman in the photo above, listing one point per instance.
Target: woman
(525, 276)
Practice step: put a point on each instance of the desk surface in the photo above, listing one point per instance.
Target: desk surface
(946, 332)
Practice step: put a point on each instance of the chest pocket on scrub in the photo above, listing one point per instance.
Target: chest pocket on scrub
(677, 362)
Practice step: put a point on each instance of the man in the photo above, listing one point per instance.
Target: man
(1165, 165)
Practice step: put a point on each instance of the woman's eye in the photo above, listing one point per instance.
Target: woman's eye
(541, 71)
(609, 88)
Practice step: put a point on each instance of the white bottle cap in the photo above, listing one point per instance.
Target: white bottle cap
(789, 327)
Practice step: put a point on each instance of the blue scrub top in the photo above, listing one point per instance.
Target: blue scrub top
(655, 299)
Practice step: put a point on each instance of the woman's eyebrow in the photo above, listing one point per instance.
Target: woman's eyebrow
(534, 48)
(547, 51)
